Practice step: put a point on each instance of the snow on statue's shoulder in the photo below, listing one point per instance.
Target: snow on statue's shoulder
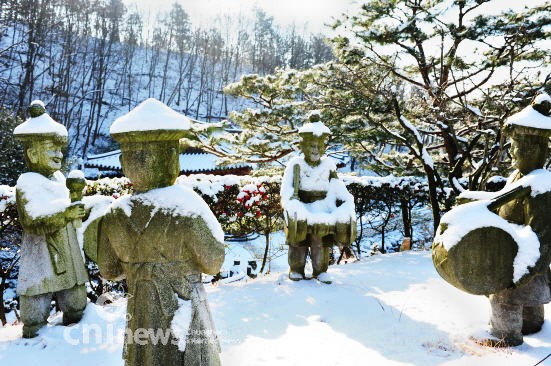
(43, 124)
(176, 200)
(150, 115)
(465, 218)
(317, 178)
(529, 117)
(43, 196)
(538, 180)
(316, 128)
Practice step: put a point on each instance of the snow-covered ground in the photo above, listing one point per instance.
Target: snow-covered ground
(385, 310)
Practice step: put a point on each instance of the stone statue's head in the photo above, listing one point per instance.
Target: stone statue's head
(43, 140)
(313, 147)
(530, 130)
(43, 154)
(151, 164)
(149, 136)
(313, 143)
(528, 152)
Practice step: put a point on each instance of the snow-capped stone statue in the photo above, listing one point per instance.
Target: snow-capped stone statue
(500, 244)
(319, 211)
(51, 262)
(161, 239)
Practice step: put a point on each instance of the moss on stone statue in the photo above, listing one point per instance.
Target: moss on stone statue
(162, 254)
(51, 261)
(481, 264)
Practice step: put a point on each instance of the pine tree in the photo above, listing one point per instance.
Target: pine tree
(12, 162)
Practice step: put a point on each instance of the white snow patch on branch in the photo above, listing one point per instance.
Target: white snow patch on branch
(475, 110)
(427, 158)
(457, 186)
(412, 128)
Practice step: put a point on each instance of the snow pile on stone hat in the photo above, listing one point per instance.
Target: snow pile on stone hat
(315, 126)
(40, 124)
(151, 120)
(532, 120)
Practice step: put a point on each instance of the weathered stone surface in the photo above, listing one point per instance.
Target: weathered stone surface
(161, 253)
(51, 261)
(480, 264)
(518, 309)
(308, 235)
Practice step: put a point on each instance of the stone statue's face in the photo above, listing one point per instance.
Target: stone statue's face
(44, 156)
(151, 165)
(528, 154)
(313, 149)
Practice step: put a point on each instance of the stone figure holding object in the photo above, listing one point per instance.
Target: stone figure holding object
(508, 263)
(51, 261)
(319, 211)
(160, 239)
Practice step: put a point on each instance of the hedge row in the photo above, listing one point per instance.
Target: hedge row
(242, 204)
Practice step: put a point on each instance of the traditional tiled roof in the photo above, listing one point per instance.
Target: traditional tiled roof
(191, 162)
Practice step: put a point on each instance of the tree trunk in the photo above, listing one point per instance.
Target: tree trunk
(266, 249)
(406, 217)
(2, 311)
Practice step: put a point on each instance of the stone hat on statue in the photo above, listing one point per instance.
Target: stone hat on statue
(40, 125)
(314, 128)
(533, 120)
(150, 121)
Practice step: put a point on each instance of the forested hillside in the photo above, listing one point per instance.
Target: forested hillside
(92, 60)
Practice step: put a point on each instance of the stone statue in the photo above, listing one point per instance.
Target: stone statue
(518, 311)
(51, 261)
(160, 239)
(516, 276)
(319, 212)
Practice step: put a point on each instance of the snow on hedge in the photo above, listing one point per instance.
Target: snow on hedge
(543, 97)
(212, 185)
(7, 196)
